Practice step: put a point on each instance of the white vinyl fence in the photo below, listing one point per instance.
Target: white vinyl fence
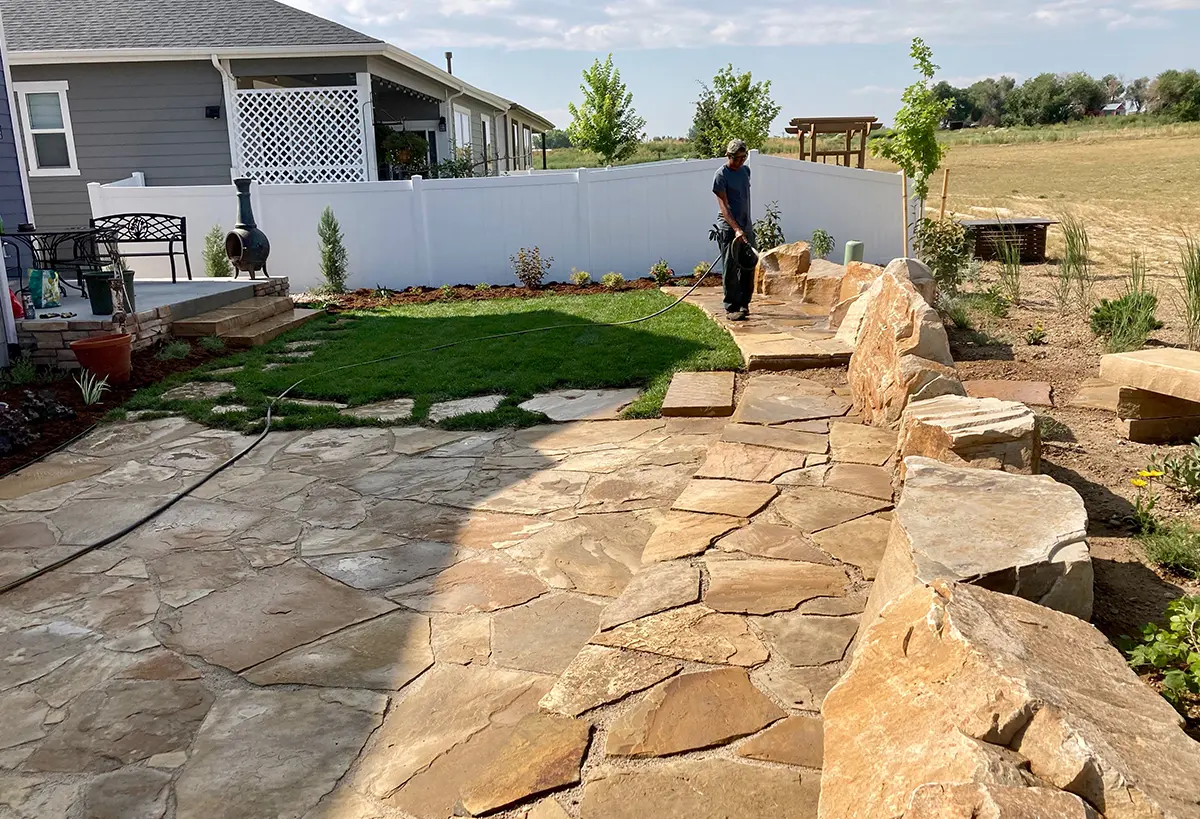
(463, 231)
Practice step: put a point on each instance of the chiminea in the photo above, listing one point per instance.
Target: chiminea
(246, 246)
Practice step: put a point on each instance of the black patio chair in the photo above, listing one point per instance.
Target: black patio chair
(148, 228)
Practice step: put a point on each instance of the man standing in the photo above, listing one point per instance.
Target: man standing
(735, 237)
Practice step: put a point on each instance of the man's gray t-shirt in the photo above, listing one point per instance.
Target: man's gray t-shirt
(736, 187)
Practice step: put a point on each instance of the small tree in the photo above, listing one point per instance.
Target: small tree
(735, 107)
(914, 146)
(605, 123)
(333, 253)
(216, 263)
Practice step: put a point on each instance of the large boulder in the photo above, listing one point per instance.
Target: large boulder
(979, 432)
(781, 270)
(957, 685)
(1018, 534)
(858, 277)
(917, 272)
(901, 353)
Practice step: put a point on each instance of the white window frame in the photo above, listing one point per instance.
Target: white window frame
(462, 115)
(60, 87)
(487, 144)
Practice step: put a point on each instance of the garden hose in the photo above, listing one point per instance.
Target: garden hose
(149, 516)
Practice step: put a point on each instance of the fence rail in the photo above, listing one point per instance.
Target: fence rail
(462, 231)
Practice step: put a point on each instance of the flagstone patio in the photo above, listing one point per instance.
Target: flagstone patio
(595, 618)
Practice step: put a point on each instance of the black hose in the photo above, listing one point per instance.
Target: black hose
(149, 516)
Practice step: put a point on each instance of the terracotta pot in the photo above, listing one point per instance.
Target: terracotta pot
(108, 356)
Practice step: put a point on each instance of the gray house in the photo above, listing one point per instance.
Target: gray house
(192, 92)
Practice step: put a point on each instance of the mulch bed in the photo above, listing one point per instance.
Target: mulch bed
(366, 299)
(147, 370)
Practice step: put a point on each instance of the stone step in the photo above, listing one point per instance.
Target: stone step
(271, 328)
(224, 320)
(1164, 370)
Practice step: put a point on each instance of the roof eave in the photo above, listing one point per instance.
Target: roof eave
(135, 55)
(534, 118)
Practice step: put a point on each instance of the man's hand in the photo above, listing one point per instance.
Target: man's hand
(739, 236)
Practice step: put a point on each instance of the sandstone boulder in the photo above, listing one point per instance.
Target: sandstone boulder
(979, 432)
(780, 270)
(858, 277)
(901, 353)
(1024, 535)
(919, 274)
(1162, 370)
(959, 685)
(822, 284)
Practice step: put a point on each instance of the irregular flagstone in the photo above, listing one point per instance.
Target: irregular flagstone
(699, 789)
(764, 586)
(639, 487)
(982, 432)
(1035, 393)
(333, 445)
(139, 436)
(699, 395)
(1096, 393)
(318, 542)
(385, 568)
(741, 462)
(332, 507)
(536, 494)
(486, 582)
(464, 639)
(592, 554)
(113, 605)
(471, 529)
(581, 405)
(33, 652)
(689, 712)
(88, 671)
(804, 640)
(159, 665)
(777, 438)
(544, 753)
(600, 675)
(199, 455)
(731, 498)
(1165, 370)
(187, 576)
(315, 402)
(1044, 559)
(861, 479)
(35, 797)
(265, 615)
(543, 635)
(1133, 403)
(547, 809)
(800, 687)
(473, 446)
(584, 437)
(47, 475)
(988, 688)
(413, 478)
(774, 541)
(859, 542)
(84, 522)
(132, 793)
(813, 510)
(199, 391)
(452, 409)
(397, 409)
(22, 713)
(445, 708)
(859, 444)
(694, 633)
(415, 440)
(779, 399)
(236, 768)
(809, 476)
(682, 534)
(933, 801)
(794, 741)
(121, 723)
(654, 589)
(853, 603)
(386, 653)
(192, 522)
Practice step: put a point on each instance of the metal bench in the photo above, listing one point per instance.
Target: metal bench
(149, 228)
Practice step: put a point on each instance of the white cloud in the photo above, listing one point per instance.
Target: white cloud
(632, 24)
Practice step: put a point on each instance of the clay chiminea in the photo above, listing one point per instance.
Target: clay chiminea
(246, 246)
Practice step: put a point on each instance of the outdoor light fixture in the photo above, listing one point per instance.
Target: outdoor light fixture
(442, 124)
(212, 112)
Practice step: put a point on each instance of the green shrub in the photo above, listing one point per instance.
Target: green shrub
(700, 269)
(334, 259)
(943, 244)
(174, 351)
(22, 372)
(1175, 547)
(612, 280)
(529, 266)
(216, 263)
(1174, 651)
(662, 273)
(446, 291)
(1052, 429)
(767, 230)
(1035, 336)
(212, 344)
(822, 243)
(956, 312)
(580, 278)
(483, 286)
(1127, 322)
(1180, 471)
(1075, 270)
(990, 301)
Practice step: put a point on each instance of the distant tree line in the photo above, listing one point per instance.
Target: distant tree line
(1048, 99)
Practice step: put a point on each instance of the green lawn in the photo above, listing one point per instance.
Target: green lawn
(587, 356)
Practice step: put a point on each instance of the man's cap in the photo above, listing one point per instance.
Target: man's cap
(736, 146)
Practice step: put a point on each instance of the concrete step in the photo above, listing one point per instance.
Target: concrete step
(271, 328)
(224, 320)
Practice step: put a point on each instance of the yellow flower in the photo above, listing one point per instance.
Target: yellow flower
(1154, 473)
(1139, 483)
(1145, 473)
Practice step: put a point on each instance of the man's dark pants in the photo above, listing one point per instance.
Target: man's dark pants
(739, 265)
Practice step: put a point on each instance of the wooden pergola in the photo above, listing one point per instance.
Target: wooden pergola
(811, 127)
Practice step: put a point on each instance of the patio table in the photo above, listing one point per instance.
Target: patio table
(47, 250)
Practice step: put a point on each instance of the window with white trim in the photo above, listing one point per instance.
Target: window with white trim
(487, 144)
(462, 128)
(46, 123)
(527, 146)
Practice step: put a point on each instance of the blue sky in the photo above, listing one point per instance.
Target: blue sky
(823, 58)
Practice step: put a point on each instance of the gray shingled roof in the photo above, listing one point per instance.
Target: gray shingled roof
(41, 25)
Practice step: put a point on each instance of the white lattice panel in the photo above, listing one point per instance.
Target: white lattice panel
(301, 135)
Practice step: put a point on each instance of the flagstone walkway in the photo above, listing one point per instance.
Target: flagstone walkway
(601, 619)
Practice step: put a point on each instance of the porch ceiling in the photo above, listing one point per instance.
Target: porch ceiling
(378, 82)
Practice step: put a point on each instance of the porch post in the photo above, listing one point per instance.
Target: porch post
(229, 86)
(366, 104)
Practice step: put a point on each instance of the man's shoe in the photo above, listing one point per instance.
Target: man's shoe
(735, 315)
(745, 311)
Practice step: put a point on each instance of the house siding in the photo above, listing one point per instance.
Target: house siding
(130, 117)
(12, 195)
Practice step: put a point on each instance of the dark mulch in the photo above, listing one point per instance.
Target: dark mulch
(147, 370)
(365, 299)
